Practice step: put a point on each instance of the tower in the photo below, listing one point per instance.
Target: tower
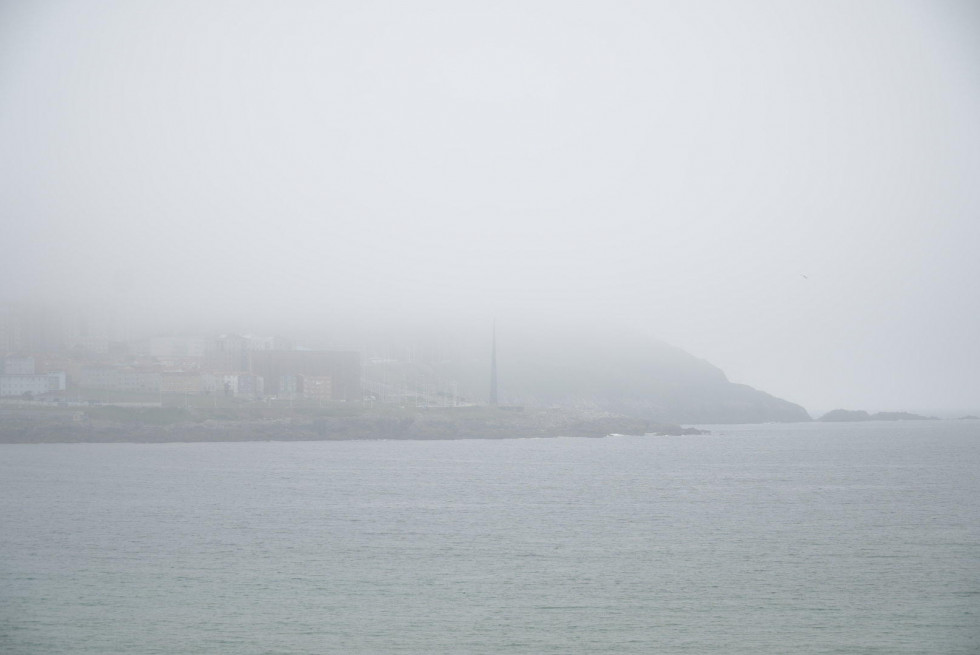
(493, 366)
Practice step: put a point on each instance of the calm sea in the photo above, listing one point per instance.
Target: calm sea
(810, 538)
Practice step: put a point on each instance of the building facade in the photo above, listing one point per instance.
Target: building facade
(19, 385)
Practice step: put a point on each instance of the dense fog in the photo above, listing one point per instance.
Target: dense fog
(786, 190)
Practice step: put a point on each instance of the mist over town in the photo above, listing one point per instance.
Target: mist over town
(796, 209)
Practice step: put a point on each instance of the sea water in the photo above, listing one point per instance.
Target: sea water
(806, 538)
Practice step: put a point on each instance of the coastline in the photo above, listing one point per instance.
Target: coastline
(171, 425)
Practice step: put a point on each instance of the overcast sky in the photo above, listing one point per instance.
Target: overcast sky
(790, 190)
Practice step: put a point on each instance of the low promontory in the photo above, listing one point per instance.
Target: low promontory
(856, 415)
(347, 422)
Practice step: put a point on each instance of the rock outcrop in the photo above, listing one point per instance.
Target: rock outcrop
(855, 415)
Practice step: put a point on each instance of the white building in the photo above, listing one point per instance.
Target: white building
(18, 385)
(317, 387)
(245, 385)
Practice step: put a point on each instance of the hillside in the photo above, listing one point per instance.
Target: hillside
(609, 369)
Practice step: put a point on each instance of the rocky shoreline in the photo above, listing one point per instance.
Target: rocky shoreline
(143, 426)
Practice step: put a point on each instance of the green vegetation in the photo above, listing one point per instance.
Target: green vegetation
(134, 415)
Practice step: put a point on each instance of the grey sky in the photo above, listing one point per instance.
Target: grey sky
(788, 190)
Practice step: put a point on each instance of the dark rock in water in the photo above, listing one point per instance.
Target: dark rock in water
(900, 416)
(848, 415)
(677, 431)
